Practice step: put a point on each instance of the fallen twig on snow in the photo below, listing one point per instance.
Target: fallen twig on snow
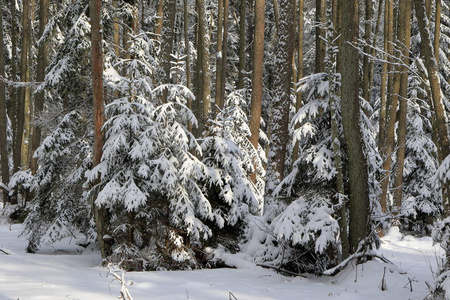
(345, 262)
(5, 251)
(278, 269)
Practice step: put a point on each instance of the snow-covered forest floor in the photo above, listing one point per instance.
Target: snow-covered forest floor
(67, 271)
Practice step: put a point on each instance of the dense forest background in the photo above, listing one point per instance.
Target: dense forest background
(294, 130)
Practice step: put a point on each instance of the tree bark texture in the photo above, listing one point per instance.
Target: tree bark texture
(100, 213)
(320, 36)
(357, 163)
(257, 76)
(206, 75)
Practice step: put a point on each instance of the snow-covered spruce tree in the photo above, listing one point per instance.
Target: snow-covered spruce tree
(421, 205)
(57, 209)
(154, 188)
(304, 236)
(228, 151)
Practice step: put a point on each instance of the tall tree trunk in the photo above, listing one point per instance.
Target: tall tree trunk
(41, 65)
(340, 191)
(374, 43)
(12, 110)
(116, 39)
(242, 44)
(168, 35)
(389, 93)
(3, 124)
(159, 18)
(257, 76)
(18, 142)
(206, 75)
(359, 225)
(367, 84)
(25, 92)
(441, 119)
(384, 81)
(320, 36)
(198, 110)
(404, 30)
(224, 55)
(188, 53)
(298, 103)
(100, 213)
(219, 54)
(280, 104)
(437, 30)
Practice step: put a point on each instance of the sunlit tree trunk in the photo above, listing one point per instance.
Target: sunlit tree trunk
(437, 29)
(242, 44)
(159, 18)
(257, 78)
(441, 120)
(100, 213)
(404, 30)
(384, 80)
(41, 65)
(24, 77)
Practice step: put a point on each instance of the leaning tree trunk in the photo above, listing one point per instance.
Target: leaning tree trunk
(441, 120)
(357, 163)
